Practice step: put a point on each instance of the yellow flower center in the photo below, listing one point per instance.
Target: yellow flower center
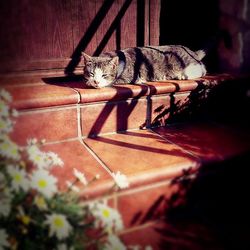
(42, 183)
(25, 219)
(5, 146)
(58, 222)
(17, 177)
(38, 158)
(40, 202)
(1, 123)
(106, 213)
(14, 151)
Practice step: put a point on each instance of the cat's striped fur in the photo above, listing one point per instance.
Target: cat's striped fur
(142, 64)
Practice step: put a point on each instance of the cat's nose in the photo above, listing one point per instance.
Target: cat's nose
(95, 85)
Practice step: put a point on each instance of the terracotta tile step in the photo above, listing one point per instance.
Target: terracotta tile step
(79, 125)
(149, 162)
(162, 167)
(156, 164)
(158, 167)
(39, 91)
(59, 109)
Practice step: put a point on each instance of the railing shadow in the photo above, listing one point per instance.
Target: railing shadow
(180, 110)
(226, 102)
(85, 40)
(95, 24)
(125, 103)
(209, 210)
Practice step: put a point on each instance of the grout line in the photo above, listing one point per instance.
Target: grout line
(96, 157)
(78, 93)
(79, 130)
(79, 124)
(184, 150)
(61, 141)
(145, 187)
(47, 109)
(139, 227)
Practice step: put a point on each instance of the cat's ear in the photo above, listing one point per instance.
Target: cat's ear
(114, 61)
(85, 57)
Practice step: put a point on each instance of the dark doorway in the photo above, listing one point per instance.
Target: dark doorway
(192, 23)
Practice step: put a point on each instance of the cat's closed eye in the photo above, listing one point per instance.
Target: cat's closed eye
(104, 75)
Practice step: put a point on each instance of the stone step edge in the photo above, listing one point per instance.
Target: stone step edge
(61, 91)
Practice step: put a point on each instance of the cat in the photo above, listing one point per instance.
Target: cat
(138, 65)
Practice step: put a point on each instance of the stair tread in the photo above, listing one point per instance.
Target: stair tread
(39, 91)
(41, 96)
(76, 156)
(207, 140)
(145, 157)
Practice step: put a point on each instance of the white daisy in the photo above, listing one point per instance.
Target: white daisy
(5, 197)
(58, 226)
(120, 180)
(81, 177)
(4, 109)
(44, 183)
(62, 246)
(37, 157)
(5, 207)
(5, 95)
(114, 243)
(72, 187)
(40, 203)
(14, 113)
(108, 216)
(55, 159)
(6, 125)
(9, 149)
(3, 239)
(18, 178)
(31, 141)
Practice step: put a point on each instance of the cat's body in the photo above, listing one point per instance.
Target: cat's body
(142, 64)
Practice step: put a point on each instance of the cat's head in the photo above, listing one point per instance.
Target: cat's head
(99, 72)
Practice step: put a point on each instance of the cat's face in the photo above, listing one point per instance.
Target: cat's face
(99, 72)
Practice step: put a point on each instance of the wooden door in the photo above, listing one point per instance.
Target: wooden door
(45, 35)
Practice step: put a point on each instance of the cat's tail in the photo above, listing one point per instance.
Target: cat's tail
(200, 54)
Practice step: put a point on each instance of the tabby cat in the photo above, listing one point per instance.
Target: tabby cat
(141, 64)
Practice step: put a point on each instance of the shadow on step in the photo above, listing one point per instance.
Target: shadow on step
(226, 102)
(214, 213)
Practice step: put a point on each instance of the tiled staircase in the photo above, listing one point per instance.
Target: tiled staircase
(99, 131)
